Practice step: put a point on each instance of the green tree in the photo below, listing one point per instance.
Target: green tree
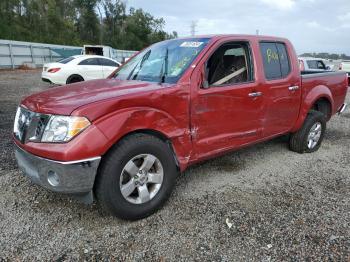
(78, 22)
(87, 21)
(113, 22)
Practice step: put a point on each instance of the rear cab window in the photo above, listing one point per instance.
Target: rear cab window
(275, 59)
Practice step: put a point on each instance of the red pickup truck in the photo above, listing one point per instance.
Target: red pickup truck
(123, 140)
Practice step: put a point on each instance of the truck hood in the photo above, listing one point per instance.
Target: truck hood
(64, 100)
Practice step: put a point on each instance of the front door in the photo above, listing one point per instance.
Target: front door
(226, 112)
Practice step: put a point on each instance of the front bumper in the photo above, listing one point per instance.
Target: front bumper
(74, 177)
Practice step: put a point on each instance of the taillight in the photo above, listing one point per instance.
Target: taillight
(53, 70)
(301, 65)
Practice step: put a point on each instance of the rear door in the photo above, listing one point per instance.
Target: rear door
(108, 66)
(282, 87)
(90, 68)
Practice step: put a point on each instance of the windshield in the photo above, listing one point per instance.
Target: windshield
(163, 62)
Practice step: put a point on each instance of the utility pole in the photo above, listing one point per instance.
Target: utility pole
(193, 26)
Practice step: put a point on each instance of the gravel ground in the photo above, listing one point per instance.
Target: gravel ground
(282, 205)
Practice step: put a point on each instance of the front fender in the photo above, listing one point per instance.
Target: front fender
(308, 101)
(118, 124)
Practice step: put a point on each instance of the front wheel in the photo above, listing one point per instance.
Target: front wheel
(136, 178)
(309, 137)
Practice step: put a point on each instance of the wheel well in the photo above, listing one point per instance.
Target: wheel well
(324, 106)
(151, 132)
(73, 76)
(157, 134)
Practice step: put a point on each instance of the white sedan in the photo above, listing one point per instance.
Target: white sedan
(78, 68)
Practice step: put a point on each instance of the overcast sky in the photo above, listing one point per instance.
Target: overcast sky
(312, 25)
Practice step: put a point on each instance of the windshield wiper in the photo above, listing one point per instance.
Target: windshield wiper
(164, 72)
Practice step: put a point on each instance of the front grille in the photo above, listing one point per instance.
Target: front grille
(29, 126)
(40, 127)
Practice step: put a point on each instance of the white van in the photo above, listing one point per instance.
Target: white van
(101, 50)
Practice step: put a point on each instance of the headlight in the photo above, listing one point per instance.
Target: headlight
(64, 128)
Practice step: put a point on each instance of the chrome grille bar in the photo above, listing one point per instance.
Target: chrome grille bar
(29, 126)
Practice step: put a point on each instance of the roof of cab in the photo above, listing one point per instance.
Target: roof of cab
(246, 36)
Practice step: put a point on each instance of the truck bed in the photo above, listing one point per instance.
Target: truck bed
(335, 81)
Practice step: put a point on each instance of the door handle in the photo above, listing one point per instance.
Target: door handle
(255, 94)
(293, 88)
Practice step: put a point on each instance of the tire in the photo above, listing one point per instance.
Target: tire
(110, 179)
(74, 79)
(301, 142)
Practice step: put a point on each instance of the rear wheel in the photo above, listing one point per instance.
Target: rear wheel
(309, 137)
(136, 177)
(74, 79)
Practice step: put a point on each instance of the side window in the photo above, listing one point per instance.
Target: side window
(271, 61)
(107, 62)
(90, 61)
(229, 64)
(312, 64)
(284, 59)
(275, 59)
(321, 65)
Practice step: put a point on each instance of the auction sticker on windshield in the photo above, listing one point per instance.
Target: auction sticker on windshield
(191, 44)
